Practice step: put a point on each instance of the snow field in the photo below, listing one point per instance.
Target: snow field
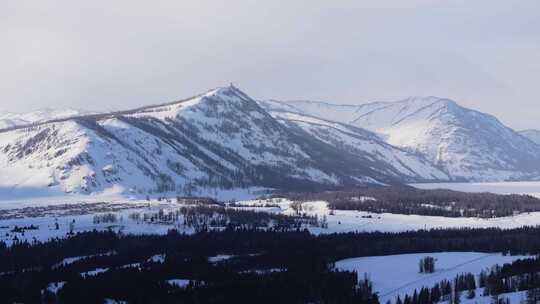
(395, 275)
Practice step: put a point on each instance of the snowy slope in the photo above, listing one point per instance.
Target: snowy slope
(165, 148)
(9, 120)
(391, 281)
(533, 135)
(328, 111)
(366, 145)
(219, 140)
(468, 144)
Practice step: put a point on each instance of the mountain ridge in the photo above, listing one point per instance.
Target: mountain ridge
(10, 119)
(469, 144)
(221, 139)
(224, 139)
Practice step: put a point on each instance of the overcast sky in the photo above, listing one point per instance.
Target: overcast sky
(105, 55)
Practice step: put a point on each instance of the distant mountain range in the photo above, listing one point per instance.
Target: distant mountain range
(9, 119)
(467, 145)
(224, 139)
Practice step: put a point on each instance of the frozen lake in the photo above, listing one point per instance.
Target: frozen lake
(531, 188)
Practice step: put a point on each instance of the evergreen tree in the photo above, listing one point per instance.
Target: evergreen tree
(533, 296)
(436, 293)
(471, 294)
(427, 265)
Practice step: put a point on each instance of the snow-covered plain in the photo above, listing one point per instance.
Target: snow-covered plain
(46, 227)
(513, 297)
(81, 217)
(351, 221)
(77, 212)
(392, 275)
(395, 275)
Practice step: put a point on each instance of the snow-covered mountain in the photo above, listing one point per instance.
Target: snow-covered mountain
(533, 135)
(468, 144)
(221, 139)
(365, 145)
(9, 119)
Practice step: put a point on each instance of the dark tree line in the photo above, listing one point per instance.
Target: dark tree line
(409, 200)
(306, 262)
(445, 290)
(521, 275)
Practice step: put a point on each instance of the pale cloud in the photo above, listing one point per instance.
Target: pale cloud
(119, 54)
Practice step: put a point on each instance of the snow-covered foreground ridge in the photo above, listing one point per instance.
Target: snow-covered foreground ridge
(465, 143)
(222, 139)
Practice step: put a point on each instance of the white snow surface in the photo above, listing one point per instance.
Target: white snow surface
(351, 221)
(189, 147)
(533, 135)
(71, 260)
(94, 272)
(10, 119)
(219, 258)
(158, 258)
(514, 298)
(338, 221)
(178, 282)
(395, 275)
(365, 144)
(55, 287)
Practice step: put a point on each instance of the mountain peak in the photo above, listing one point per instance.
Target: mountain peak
(228, 91)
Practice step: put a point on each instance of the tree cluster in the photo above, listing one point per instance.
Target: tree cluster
(427, 265)
(409, 200)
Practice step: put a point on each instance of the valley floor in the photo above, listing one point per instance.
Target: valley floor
(134, 217)
(43, 219)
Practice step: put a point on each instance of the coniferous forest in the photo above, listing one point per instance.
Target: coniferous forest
(253, 266)
(409, 200)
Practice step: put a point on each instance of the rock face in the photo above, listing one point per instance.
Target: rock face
(466, 144)
(219, 140)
